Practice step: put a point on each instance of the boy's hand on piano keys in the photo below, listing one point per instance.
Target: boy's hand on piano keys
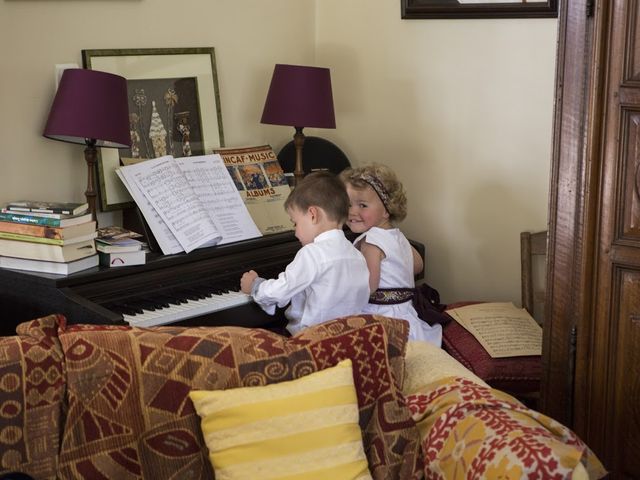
(246, 282)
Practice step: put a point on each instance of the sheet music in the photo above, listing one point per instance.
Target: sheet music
(501, 328)
(168, 191)
(167, 241)
(212, 184)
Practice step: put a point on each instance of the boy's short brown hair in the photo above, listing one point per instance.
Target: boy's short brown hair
(321, 189)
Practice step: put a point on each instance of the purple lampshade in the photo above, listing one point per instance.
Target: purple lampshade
(300, 96)
(90, 105)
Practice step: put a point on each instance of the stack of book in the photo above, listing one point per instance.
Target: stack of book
(120, 247)
(49, 237)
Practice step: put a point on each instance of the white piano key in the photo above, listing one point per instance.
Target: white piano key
(192, 308)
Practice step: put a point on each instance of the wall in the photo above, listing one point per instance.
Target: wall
(462, 109)
(249, 38)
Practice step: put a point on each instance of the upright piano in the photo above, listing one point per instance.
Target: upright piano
(198, 288)
(177, 286)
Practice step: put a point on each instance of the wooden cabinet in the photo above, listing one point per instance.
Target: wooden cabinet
(591, 350)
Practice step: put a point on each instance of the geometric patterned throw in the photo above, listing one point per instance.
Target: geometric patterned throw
(129, 415)
(32, 387)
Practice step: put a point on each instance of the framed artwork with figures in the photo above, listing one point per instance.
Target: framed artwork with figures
(174, 109)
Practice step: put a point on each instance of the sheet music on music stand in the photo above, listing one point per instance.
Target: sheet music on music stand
(188, 202)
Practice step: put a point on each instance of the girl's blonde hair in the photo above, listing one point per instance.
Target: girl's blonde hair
(384, 182)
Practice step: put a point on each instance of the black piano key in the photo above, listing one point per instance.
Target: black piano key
(135, 309)
(188, 294)
(166, 300)
(195, 293)
(203, 290)
(148, 305)
(173, 298)
(124, 309)
(157, 302)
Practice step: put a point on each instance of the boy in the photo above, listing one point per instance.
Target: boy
(328, 277)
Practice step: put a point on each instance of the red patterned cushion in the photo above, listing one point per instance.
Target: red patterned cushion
(516, 375)
(32, 386)
(129, 412)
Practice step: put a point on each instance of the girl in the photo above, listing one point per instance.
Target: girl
(377, 203)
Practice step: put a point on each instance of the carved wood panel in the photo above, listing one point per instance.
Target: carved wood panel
(615, 338)
(632, 60)
(630, 201)
(625, 406)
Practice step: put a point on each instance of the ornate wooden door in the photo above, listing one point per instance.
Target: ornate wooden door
(592, 334)
(615, 382)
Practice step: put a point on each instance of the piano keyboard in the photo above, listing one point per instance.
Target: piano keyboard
(175, 312)
(183, 302)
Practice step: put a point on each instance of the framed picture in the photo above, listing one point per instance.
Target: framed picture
(415, 9)
(174, 109)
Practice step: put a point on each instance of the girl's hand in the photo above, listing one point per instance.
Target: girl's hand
(246, 282)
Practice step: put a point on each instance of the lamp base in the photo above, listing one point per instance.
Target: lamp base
(90, 154)
(298, 142)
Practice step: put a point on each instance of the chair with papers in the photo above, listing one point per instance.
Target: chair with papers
(499, 342)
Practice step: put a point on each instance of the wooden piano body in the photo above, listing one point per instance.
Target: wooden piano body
(100, 295)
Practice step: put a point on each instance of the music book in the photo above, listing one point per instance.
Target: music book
(188, 202)
(501, 328)
(262, 184)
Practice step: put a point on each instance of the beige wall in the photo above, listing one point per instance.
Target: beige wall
(249, 37)
(461, 109)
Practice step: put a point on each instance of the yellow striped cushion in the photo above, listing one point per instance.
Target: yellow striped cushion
(300, 429)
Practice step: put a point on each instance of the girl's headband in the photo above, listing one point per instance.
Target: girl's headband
(378, 187)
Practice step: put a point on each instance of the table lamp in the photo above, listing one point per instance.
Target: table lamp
(90, 108)
(299, 96)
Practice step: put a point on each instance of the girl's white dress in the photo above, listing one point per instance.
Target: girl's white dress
(396, 271)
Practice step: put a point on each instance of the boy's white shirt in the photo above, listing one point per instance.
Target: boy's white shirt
(327, 279)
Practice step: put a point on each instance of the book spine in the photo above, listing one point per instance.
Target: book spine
(59, 211)
(42, 251)
(31, 238)
(29, 219)
(32, 230)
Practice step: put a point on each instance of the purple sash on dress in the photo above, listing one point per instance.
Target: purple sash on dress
(392, 296)
(425, 299)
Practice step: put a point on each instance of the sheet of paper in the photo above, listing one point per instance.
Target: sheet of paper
(501, 328)
(167, 241)
(211, 182)
(167, 189)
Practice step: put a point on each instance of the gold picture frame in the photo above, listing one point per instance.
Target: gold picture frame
(191, 69)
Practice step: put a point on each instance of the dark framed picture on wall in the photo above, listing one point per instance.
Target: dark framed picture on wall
(417, 9)
(174, 109)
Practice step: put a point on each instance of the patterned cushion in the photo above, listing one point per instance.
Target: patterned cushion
(32, 387)
(130, 416)
(304, 428)
(516, 375)
(472, 431)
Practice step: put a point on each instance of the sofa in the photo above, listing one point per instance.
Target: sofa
(103, 402)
